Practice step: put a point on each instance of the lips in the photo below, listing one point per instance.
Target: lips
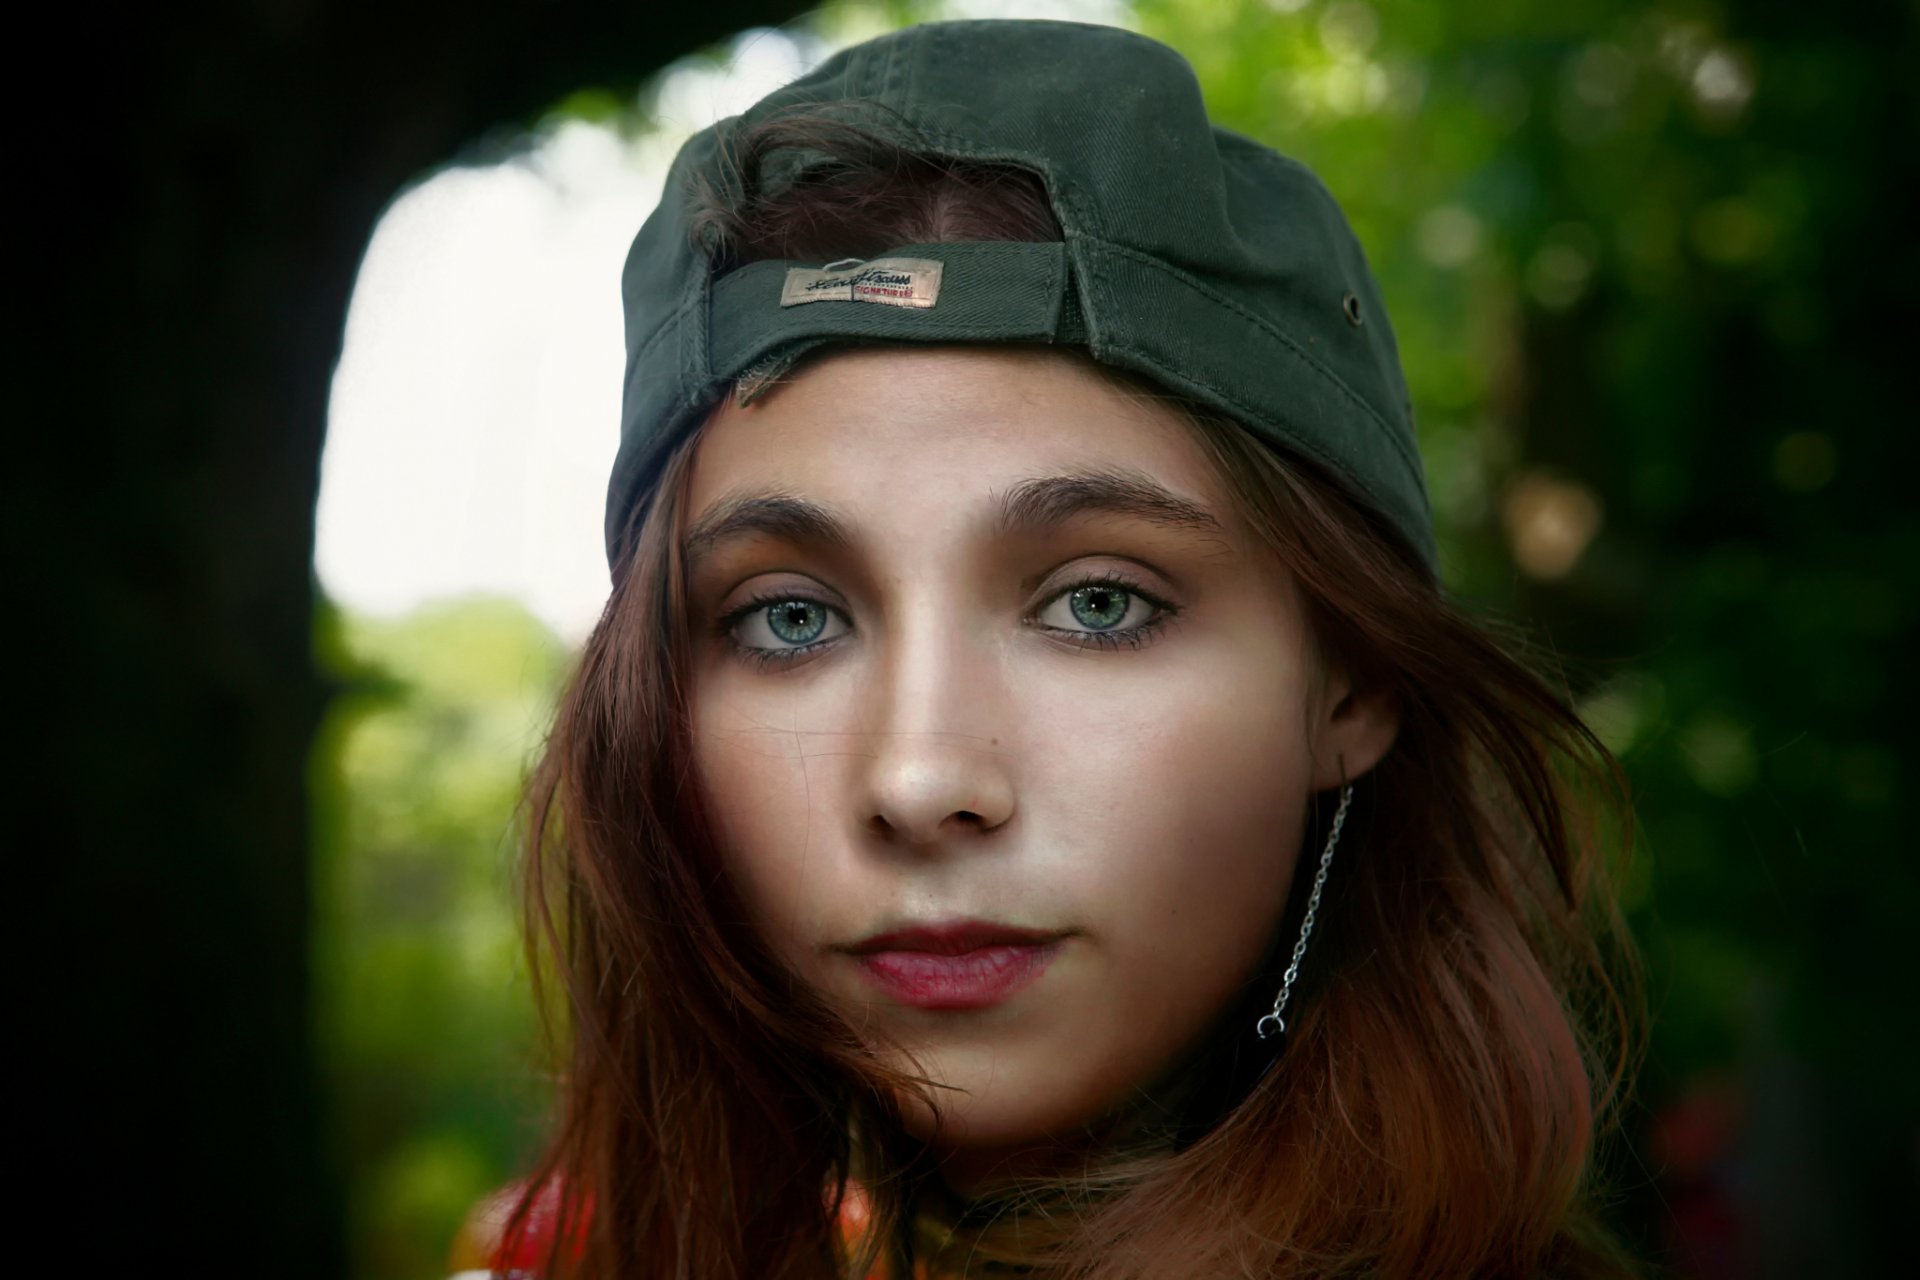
(960, 965)
(954, 938)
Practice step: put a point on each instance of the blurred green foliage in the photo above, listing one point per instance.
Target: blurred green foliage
(425, 1015)
(1649, 269)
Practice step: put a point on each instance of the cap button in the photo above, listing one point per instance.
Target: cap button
(1351, 305)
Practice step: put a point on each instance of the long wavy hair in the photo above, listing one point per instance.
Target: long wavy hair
(1467, 1025)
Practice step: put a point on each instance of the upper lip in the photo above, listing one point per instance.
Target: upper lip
(953, 937)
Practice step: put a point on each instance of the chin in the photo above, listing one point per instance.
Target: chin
(997, 1094)
(999, 1110)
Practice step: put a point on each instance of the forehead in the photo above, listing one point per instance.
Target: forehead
(908, 436)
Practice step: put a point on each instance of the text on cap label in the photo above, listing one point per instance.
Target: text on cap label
(893, 282)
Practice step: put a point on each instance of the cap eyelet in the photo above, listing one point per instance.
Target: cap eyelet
(1351, 305)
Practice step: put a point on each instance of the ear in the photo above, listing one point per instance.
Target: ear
(1354, 729)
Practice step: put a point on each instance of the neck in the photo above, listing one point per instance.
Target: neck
(975, 1173)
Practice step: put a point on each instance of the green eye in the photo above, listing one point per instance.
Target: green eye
(797, 621)
(1096, 613)
(1100, 607)
(780, 628)
(784, 620)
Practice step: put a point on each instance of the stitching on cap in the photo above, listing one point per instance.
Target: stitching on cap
(659, 331)
(1400, 446)
(1251, 317)
(1293, 439)
(1056, 263)
(699, 364)
(1304, 445)
(1103, 299)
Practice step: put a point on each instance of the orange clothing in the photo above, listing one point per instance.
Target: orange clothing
(480, 1249)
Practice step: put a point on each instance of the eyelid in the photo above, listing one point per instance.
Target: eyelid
(1130, 572)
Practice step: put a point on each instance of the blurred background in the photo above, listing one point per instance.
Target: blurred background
(324, 398)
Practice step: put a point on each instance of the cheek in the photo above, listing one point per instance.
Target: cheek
(762, 793)
(1170, 831)
(1186, 819)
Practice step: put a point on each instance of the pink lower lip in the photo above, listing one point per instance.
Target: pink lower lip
(972, 980)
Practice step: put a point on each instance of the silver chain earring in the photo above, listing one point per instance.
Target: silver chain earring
(1272, 1024)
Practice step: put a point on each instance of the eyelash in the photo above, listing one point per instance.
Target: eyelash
(1132, 638)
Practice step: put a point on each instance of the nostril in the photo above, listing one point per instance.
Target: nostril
(959, 817)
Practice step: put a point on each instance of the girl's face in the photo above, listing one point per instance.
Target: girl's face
(1002, 652)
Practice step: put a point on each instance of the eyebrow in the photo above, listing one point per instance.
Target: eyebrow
(1046, 502)
(1029, 507)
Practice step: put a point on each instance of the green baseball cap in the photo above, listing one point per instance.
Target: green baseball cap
(1208, 263)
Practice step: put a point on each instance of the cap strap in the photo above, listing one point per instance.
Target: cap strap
(985, 291)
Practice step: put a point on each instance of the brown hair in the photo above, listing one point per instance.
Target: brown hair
(1471, 1017)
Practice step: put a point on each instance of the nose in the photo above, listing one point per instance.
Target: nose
(941, 754)
(929, 789)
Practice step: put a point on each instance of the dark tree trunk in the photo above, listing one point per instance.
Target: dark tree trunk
(199, 191)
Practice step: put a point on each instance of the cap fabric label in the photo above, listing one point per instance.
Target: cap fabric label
(893, 282)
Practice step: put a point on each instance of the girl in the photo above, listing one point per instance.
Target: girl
(1029, 806)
